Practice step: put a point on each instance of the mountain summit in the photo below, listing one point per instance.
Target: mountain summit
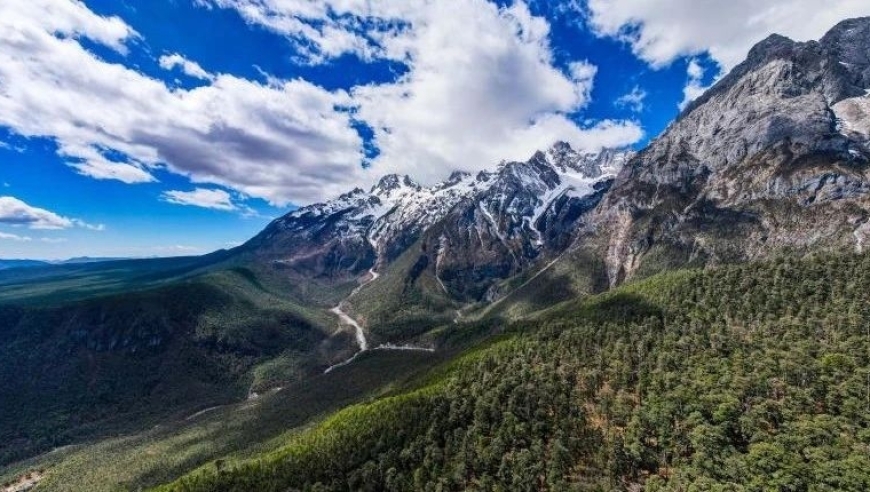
(509, 215)
(773, 157)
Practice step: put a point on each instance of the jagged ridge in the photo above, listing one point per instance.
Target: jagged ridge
(512, 211)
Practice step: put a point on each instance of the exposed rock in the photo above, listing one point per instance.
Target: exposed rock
(778, 146)
(489, 226)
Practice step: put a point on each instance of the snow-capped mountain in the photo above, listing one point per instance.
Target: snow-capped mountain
(515, 209)
(774, 157)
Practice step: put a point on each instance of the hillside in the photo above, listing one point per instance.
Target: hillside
(691, 316)
(122, 361)
(751, 377)
(775, 157)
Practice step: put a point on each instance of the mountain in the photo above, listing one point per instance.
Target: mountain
(500, 221)
(4, 264)
(732, 378)
(773, 158)
(747, 374)
(91, 259)
(690, 316)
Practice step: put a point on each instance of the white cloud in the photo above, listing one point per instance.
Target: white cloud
(70, 18)
(88, 160)
(694, 83)
(284, 141)
(14, 237)
(53, 240)
(660, 31)
(16, 212)
(633, 100)
(481, 84)
(191, 68)
(202, 197)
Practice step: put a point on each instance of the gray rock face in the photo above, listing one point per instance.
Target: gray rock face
(778, 143)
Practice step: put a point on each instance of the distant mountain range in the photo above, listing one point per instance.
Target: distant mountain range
(475, 230)
(5, 264)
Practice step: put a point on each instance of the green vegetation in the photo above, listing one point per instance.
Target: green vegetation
(576, 273)
(55, 284)
(404, 303)
(125, 361)
(741, 378)
(245, 429)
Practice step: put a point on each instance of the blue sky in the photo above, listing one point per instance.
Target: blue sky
(173, 127)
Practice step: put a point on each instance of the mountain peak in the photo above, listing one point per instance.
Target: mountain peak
(392, 182)
(773, 45)
(457, 176)
(848, 31)
(352, 194)
(561, 146)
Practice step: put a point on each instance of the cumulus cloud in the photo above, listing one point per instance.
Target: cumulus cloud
(660, 31)
(15, 212)
(481, 84)
(202, 197)
(191, 68)
(632, 100)
(284, 141)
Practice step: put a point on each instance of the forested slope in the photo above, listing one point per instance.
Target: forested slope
(751, 377)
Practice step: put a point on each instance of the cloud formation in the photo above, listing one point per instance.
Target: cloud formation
(190, 68)
(632, 100)
(15, 212)
(18, 213)
(201, 197)
(283, 141)
(660, 31)
(481, 86)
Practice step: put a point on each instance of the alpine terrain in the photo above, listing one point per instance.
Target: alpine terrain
(689, 316)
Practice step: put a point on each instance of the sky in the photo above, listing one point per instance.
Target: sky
(178, 127)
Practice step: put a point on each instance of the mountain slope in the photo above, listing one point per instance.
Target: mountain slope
(442, 247)
(774, 157)
(735, 378)
(119, 362)
(360, 230)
